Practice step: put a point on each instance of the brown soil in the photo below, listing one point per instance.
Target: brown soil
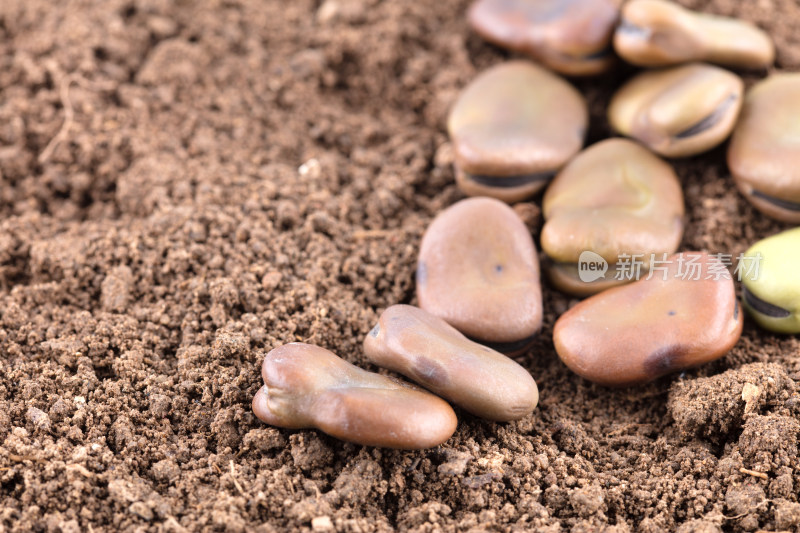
(186, 185)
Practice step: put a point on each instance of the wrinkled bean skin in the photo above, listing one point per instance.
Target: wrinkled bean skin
(478, 270)
(680, 111)
(430, 352)
(658, 33)
(764, 152)
(572, 37)
(614, 198)
(771, 293)
(638, 332)
(309, 387)
(512, 128)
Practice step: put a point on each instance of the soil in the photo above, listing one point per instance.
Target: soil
(186, 185)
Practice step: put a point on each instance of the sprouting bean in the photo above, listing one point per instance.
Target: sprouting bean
(306, 386)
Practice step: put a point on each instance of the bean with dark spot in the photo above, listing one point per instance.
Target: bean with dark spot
(621, 336)
(460, 252)
(429, 351)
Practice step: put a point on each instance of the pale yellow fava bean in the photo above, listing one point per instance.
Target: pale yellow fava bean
(659, 33)
(679, 111)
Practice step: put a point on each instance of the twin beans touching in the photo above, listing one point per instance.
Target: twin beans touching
(519, 128)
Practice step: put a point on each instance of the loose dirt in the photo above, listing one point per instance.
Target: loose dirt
(186, 185)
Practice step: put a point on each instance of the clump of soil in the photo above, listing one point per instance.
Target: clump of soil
(184, 186)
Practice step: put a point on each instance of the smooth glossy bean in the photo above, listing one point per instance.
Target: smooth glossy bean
(679, 111)
(432, 353)
(478, 270)
(764, 152)
(512, 128)
(680, 317)
(569, 36)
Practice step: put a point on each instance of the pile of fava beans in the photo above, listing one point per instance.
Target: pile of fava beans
(519, 127)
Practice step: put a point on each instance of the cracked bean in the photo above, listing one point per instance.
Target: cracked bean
(770, 285)
(432, 353)
(306, 386)
(657, 33)
(614, 198)
(512, 128)
(569, 36)
(478, 270)
(764, 152)
(680, 111)
(681, 317)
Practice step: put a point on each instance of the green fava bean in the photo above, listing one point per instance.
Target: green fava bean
(770, 285)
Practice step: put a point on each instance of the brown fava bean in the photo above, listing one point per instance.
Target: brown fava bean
(614, 198)
(569, 36)
(639, 332)
(306, 386)
(431, 352)
(478, 270)
(657, 33)
(512, 128)
(679, 111)
(764, 152)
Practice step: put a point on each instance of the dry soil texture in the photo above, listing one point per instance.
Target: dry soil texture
(186, 185)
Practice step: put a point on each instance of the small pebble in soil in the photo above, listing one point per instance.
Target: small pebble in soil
(479, 271)
(309, 387)
(684, 315)
(432, 353)
(569, 36)
(512, 128)
(656, 33)
(771, 292)
(679, 111)
(764, 152)
(614, 200)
